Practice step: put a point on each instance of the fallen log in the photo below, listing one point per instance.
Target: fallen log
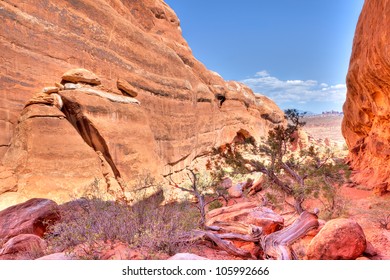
(236, 227)
(246, 213)
(228, 246)
(238, 209)
(240, 237)
(254, 236)
(277, 245)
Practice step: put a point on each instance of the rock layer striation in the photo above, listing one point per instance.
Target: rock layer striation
(89, 130)
(366, 123)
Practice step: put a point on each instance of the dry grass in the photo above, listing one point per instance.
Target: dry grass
(146, 224)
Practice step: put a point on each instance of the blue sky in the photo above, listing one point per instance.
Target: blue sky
(294, 51)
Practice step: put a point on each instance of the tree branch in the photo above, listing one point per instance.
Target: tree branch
(227, 246)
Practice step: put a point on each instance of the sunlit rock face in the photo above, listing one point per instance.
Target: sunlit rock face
(59, 139)
(366, 124)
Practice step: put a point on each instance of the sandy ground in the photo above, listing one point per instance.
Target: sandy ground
(325, 126)
(367, 209)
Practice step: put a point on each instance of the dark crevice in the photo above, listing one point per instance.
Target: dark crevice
(88, 132)
(186, 61)
(39, 104)
(270, 118)
(206, 100)
(46, 117)
(221, 98)
(179, 160)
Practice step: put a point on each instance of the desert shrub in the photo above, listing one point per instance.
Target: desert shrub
(384, 220)
(146, 224)
(274, 198)
(380, 213)
(215, 205)
(160, 228)
(334, 205)
(88, 220)
(204, 190)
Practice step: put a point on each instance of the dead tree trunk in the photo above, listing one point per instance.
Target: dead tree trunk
(227, 246)
(201, 203)
(277, 245)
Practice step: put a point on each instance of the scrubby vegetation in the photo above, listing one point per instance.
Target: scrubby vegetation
(380, 214)
(206, 191)
(309, 173)
(148, 224)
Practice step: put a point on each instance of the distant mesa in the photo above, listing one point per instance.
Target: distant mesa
(332, 112)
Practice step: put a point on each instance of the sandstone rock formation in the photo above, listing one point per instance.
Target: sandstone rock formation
(81, 75)
(30, 217)
(235, 191)
(84, 132)
(366, 125)
(339, 239)
(126, 88)
(23, 247)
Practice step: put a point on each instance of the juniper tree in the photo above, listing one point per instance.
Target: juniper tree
(200, 186)
(309, 174)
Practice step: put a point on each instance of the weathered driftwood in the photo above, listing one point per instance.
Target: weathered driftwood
(276, 245)
(220, 213)
(218, 239)
(236, 227)
(227, 246)
(237, 236)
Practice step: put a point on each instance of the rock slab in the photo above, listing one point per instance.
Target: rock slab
(81, 75)
(23, 247)
(30, 217)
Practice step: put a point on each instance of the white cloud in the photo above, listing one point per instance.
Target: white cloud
(263, 73)
(292, 92)
(295, 82)
(339, 86)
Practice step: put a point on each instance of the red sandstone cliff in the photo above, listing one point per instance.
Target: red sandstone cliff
(54, 151)
(366, 124)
